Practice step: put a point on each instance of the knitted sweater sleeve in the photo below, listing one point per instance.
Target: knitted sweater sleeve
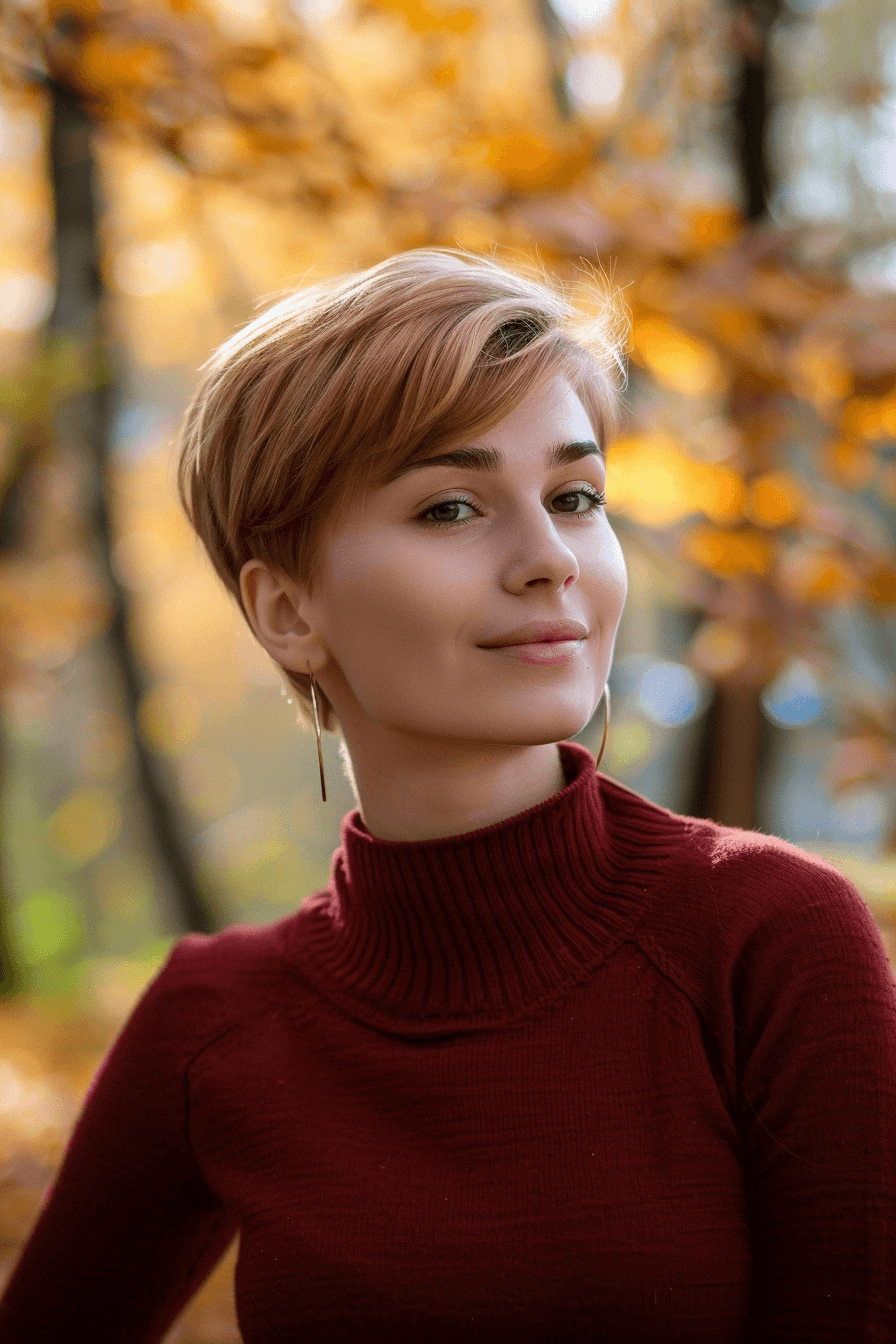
(130, 1229)
(814, 1037)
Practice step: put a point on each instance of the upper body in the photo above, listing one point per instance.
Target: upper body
(595, 1073)
(544, 1062)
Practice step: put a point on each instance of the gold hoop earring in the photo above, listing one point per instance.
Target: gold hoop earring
(320, 754)
(603, 741)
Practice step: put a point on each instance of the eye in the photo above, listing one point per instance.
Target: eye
(583, 500)
(447, 512)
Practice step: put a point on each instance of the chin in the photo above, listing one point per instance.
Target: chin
(537, 729)
(519, 720)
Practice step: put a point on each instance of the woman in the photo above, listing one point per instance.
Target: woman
(544, 1061)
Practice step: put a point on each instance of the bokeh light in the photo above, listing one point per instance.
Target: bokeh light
(582, 15)
(794, 698)
(670, 694)
(595, 80)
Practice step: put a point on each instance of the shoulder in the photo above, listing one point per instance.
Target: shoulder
(742, 878)
(243, 954)
(752, 882)
(211, 983)
(704, 861)
(737, 903)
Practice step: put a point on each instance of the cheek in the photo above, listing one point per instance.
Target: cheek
(406, 604)
(620, 573)
(606, 576)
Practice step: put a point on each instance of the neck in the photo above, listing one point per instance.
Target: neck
(413, 790)
(456, 932)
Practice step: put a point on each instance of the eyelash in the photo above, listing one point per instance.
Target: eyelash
(598, 498)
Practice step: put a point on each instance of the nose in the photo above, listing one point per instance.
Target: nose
(538, 556)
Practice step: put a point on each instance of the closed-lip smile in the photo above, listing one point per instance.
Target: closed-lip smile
(538, 632)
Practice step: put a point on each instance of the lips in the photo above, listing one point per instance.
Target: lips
(538, 632)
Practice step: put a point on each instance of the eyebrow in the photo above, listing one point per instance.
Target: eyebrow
(490, 459)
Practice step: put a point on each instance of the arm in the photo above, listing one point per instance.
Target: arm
(816, 1016)
(129, 1230)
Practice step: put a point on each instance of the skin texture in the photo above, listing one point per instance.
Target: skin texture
(445, 736)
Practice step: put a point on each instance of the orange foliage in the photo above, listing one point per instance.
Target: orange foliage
(851, 462)
(654, 479)
(819, 575)
(821, 372)
(774, 499)
(423, 17)
(729, 552)
(881, 585)
(678, 360)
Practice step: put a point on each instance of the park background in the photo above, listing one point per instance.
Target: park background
(166, 166)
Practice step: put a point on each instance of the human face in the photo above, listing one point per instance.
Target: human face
(423, 579)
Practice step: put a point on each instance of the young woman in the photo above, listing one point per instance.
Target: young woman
(544, 1061)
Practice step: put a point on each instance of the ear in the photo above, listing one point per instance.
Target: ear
(277, 608)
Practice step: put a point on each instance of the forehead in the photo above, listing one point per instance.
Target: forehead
(546, 413)
(550, 426)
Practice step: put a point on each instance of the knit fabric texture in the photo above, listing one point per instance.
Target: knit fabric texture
(598, 1072)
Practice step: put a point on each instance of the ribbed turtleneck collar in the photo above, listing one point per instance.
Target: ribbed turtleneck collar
(472, 930)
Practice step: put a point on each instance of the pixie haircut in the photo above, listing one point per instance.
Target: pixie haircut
(332, 390)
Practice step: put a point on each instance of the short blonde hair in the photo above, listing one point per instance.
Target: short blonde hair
(333, 389)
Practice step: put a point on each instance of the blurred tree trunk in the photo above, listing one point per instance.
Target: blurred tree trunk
(735, 735)
(753, 101)
(11, 511)
(10, 977)
(731, 758)
(85, 421)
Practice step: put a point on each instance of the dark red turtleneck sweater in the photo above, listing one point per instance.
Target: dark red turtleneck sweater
(595, 1073)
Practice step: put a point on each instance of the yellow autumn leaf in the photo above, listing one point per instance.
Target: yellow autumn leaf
(677, 359)
(881, 585)
(729, 552)
(426, 16)
(531, 162)
(820, 372)
(654, 480)
(85, 10)
(646, 137)
(721, 492)
(711, 227)
(170, 717)
(718, 648)
(869, 418)
(109, 63)
(818, 575)
(736, 324)
(774, 499)
(86, 824)
(851, 462)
